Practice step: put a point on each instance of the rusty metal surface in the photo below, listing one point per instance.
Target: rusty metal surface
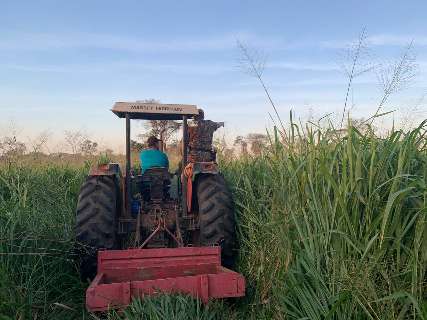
(108, 169)
(156, 222)
(101, 297)
(200, 140)
(126, 274)
(205, 167)
(159, 227)
(151, 214)
(154, 111)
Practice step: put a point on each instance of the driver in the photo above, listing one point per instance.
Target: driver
(152, 156)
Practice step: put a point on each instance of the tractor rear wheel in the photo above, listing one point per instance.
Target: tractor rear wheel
(216, 216)
(96, 221)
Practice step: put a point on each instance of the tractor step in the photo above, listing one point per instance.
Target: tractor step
(136, 273)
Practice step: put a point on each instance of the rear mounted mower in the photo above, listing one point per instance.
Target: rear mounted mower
(135, 273)
(154, 232)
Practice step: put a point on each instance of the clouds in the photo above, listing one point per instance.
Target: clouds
(183, 68)
(379, 40)
(201, 69)
(397, 40)
(51, 41)
(219, 42)
(303, 66)
(128, 66)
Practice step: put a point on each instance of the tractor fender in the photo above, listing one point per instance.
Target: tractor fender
(109, 169)
(204, 167)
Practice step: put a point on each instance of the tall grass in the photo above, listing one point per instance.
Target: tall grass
(38, 278)
(335, 227)
(175, 307)
(331, 226)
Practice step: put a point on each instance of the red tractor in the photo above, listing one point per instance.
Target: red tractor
(144, 234)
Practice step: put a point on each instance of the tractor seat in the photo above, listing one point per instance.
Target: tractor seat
(156, 183)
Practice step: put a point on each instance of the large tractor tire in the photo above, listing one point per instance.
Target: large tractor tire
(96, 221)
(216, 216)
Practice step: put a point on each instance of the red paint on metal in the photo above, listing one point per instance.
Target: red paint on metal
(135, 273)
(101, 170)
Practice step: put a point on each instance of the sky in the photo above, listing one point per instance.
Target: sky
(63, 64)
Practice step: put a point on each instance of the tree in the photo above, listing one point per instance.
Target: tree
(136, 146)
(221, 147)
(109, 152)
(241, 141)
(162, 129)
(88, 147)
(11, 147)
(74, 140)
(257, 141)
(39, 142)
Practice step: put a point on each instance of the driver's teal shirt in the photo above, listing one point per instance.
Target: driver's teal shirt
(151, 158)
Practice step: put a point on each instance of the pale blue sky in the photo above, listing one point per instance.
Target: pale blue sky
(64, 63)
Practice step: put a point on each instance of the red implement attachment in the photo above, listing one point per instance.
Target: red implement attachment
(135, 273)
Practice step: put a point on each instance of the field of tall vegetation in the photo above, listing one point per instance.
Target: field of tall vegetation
(331, 226)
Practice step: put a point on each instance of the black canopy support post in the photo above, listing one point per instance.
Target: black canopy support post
(184, 163)
(128, 180)
(162, 144)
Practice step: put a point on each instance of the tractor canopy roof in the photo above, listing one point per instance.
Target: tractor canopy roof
(154, 111)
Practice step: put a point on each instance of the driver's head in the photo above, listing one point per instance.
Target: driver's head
(153, 142)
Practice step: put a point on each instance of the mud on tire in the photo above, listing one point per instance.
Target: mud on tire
(216, 216)
(96, 221)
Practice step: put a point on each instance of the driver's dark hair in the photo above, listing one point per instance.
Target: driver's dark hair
(152, 142)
